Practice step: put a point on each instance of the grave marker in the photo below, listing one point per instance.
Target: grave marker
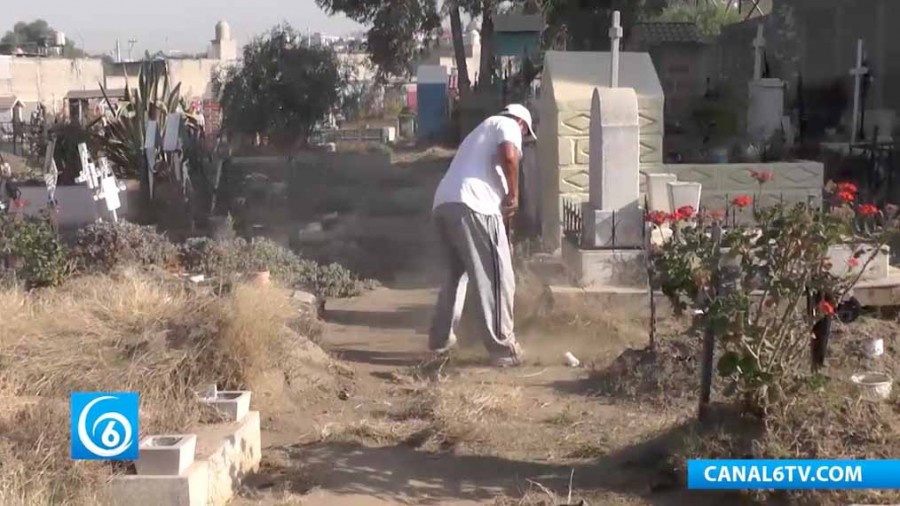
(858, 73)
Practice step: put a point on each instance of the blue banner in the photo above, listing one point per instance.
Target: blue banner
(793, 474)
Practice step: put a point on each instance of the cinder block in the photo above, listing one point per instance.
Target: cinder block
(169, 455)
(232, 405)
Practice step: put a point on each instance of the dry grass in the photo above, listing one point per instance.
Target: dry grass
(132, 331)
(437, 417)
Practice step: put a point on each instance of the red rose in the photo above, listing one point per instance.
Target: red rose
(685, 212)
(867, 210)
(847, 187)
(826, 307)
(656, 217)
(853, 262)
(715, 215)
(763, 176)
(742, 201)
(846, 196)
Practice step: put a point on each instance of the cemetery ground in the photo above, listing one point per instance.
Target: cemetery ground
(368, 420)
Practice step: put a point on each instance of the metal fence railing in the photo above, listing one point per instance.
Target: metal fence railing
(572, 221)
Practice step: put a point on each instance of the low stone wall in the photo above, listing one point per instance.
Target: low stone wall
(794, 182)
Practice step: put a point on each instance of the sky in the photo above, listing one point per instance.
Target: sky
(185, 25)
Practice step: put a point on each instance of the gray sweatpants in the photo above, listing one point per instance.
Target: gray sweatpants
(474, 247)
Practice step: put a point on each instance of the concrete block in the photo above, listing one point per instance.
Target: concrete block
(232, 405)
(612, 229)
(188, 489)
(569, 300)
(609, 268)
(574, 178)
(877, 269)
(168, 455)
(566, 150)
(232, 451)
(582, 150)
(650, 112)
(651, 148)
(658, 191)
(574, 122)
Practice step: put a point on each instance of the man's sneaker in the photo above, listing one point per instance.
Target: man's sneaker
(445, 350)
(514, 359)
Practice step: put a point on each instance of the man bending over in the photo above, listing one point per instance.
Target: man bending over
(479, 190)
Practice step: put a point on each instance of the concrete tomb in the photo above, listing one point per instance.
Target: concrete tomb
(563, 147)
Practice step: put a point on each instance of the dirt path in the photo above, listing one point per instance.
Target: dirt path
(475, 436)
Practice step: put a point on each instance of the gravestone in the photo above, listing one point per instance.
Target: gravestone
(765, 97)
(563, 147)
(612, 216)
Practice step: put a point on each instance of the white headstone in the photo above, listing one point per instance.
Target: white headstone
(658, 191)
(765, 108)
(173, 130)
(858, 73)
(613, 217)
(150, 135)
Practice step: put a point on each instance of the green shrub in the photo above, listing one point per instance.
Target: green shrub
(32, 250)
(103, 246)
(225, 259)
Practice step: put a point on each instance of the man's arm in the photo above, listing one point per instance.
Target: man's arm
(509, 162)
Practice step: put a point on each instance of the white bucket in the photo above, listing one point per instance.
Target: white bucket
(874, 347)
(875, 386)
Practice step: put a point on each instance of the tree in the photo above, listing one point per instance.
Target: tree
(709, 17)
(282, 89)
(31, 36)
(582, 25)
(400, 30)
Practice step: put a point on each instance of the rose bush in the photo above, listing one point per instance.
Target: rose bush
(752, 286)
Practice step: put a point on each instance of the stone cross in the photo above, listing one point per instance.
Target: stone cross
(615, 34)
(759, 43)
(858, 73)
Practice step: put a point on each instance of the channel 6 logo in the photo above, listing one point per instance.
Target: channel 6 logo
(104, 425)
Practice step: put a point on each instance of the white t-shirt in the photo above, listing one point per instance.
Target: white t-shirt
(475, 177)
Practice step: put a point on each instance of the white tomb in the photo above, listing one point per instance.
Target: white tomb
(563, 147)
(610, 252)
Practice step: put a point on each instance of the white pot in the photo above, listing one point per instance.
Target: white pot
(875, 386)
(874, 347)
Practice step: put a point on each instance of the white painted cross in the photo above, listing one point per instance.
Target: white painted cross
(759, 43)
(615, 34)
(858, 73)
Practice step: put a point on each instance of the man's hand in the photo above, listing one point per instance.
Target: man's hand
(510, 205)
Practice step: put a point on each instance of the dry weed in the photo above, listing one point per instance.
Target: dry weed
(133, 331)
(459, 414)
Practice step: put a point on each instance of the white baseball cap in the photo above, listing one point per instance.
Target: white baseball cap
(521, 112)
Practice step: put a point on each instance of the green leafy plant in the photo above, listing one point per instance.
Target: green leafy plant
(103, 246)
(751, 283)
(31, 249)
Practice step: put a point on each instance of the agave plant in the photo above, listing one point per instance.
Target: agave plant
(123, 137)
